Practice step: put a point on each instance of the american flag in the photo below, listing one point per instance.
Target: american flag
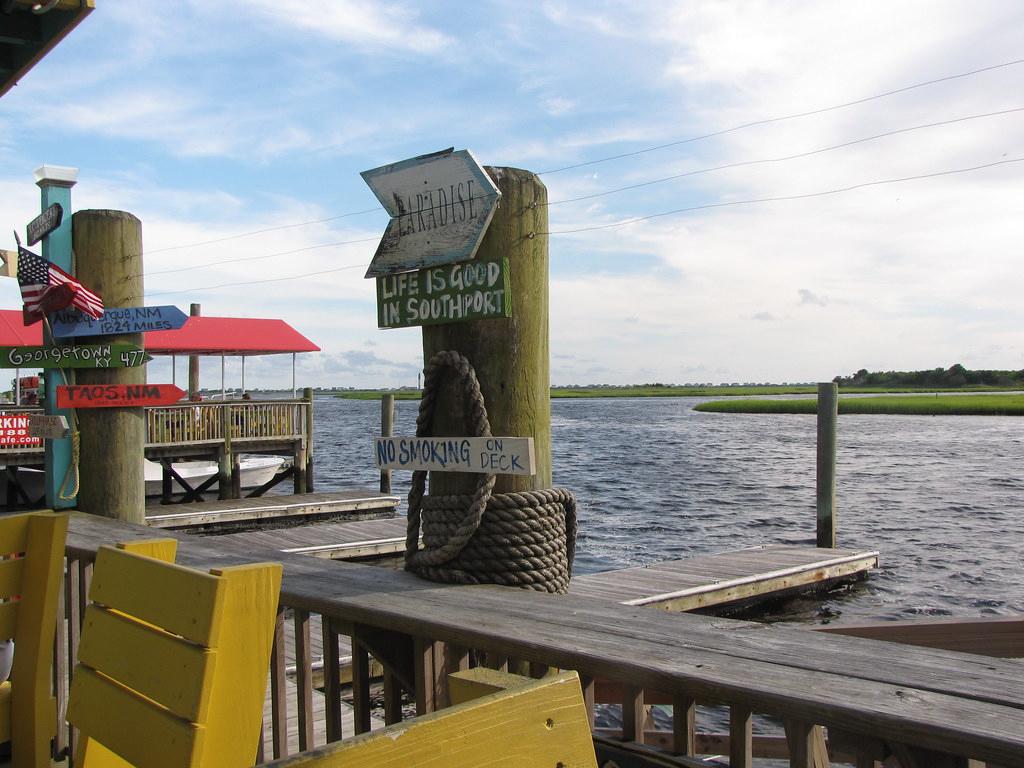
(39, 279)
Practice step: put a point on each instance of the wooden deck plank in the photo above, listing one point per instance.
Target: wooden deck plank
(709, 580)
(337, 540)
(277, 509)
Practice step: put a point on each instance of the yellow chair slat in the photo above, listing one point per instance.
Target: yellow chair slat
(160, 549)
(537, 723)
(5, 711)
(130, 726)
(161, 666)
(11, 572)
(8, 620)
(13, 534)
(181, 600)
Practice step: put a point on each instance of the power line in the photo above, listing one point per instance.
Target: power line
(783, 197)
(264, 256)
(745, 163)
(259, 282)
(262, 231)
(770, 120)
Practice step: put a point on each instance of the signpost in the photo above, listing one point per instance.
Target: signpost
(473, 290)
(10, 263)
(81, 356)
(440, 205)
(48, 427)
(487, 455)
(44, 223)
(14, 430)
(117, 321)
(117, 395)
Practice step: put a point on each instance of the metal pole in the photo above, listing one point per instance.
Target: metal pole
(243, 375)
(223, 391)
(294, 390)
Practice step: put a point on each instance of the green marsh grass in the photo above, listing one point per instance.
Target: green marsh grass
(919, 405)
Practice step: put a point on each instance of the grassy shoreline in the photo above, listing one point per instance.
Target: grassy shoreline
(659, 391)
(940, 405)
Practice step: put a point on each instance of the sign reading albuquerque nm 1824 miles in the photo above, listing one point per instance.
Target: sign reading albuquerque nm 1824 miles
(66, 323)
(81, 356)
(440, 206)
(473, 290)
(486, 455)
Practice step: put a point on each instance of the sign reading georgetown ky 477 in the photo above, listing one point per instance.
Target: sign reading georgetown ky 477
(440, 206)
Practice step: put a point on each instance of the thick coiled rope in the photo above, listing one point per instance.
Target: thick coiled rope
(525, 539)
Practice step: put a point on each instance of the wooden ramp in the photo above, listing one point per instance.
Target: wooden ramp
(741, 576)
(337, 541)
(269, 511)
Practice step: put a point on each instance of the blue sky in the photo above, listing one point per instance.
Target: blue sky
(209, 120)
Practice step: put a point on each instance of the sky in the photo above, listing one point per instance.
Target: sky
(237, 131)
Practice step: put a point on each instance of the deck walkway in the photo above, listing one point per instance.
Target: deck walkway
(736, 577)
(272, 510)
(336, 541)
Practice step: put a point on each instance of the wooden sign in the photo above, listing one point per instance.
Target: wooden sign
(440, 206)
(48, 427)
(14, 430)
(81, 356)
(472, 290)
(486, 455)
(10, 263)
(114, 321)
(117, 395)
(44, 223)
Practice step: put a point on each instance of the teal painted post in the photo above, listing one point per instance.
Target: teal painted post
(55, 183)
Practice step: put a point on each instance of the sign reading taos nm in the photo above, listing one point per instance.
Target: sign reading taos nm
(440, 205)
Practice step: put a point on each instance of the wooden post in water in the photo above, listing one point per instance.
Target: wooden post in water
(108, 246)
(510, 355)
(307, 395)
(828, 410)
(193, 360)
(387, 429)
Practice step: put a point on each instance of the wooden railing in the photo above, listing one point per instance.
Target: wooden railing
(837, 698)
(242, 419)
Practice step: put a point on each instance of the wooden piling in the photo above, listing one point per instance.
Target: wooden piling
(828, 410)
(510, 355)
(307, 395)
(195, 310)
(387, 429)
(108, 248)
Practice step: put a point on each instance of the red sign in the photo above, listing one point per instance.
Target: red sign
(117, 395)
(14, 430)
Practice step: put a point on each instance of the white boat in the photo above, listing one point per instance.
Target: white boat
(254, 471)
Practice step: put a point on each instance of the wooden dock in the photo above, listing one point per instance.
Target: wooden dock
(335, 541)
(728, 578)
(270, 511)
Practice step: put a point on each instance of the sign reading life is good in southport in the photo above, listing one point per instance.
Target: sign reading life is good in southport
(486, 455)
(440, 205)
(473, 290)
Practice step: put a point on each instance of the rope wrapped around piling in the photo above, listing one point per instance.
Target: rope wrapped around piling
(525, 539)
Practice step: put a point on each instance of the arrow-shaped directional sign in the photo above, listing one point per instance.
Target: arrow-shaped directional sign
(81, 356)
(117, 395)
(114, 321)
(440, 206)
(50, 427)
(44, 223)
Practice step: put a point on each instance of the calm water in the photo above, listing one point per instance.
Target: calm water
(942, 498)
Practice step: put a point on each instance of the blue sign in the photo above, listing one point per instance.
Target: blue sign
(68, 323)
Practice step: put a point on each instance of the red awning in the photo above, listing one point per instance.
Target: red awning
(199, 336)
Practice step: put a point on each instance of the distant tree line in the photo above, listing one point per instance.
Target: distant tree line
(942, 378)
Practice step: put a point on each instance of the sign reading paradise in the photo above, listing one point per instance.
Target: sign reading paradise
(113, 321)
(472, 290)
(486, 455)
(440, 205)
(80, 356)
(117, 395)
(44, 223)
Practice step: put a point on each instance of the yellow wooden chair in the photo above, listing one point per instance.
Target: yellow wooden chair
(172, 666)
(499, 720)
(32, 552)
